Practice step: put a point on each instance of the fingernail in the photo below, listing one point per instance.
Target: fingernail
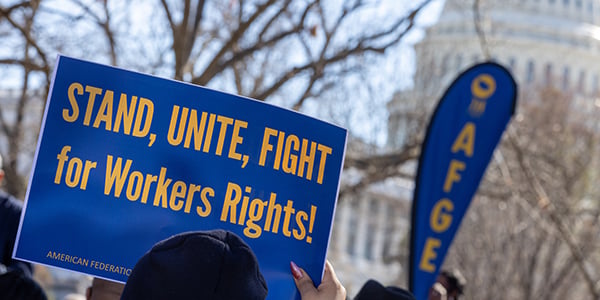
(295, 270)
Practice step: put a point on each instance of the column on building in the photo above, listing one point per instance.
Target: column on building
(362, 218)
(381, 221)
(341, 226)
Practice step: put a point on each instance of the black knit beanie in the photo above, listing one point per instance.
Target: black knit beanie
(374, 290)
(197, 265)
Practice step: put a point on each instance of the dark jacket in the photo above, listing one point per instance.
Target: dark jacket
(14, 284)
(10, 214)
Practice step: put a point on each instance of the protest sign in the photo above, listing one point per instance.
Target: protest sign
(125, 160)
(462, 135)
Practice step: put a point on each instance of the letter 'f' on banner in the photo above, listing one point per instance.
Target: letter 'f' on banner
(461, 137)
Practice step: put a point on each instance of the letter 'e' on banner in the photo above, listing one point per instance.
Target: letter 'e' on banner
(461, 137)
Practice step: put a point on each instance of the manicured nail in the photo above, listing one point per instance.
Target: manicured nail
(295, 270)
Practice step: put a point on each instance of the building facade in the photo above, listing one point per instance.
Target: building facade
(370, 234)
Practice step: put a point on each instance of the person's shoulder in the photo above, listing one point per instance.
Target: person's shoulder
(9, 203)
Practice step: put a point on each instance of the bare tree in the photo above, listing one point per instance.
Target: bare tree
(30, 58)
(283, 51)
(328, 50)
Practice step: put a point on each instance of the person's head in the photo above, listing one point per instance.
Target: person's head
(104, 290)
(448, 286)
(14, 284)
(374, 290)
(197, 265)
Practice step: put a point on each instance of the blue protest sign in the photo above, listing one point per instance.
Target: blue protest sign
(125, 160)
(462, 135)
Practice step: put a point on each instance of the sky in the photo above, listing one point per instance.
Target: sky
(394, 73)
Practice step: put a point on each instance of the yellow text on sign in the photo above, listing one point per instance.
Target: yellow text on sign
(292, 155)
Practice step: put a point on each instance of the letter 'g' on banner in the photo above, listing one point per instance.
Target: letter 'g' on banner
(461, 137)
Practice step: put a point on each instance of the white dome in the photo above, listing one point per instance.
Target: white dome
(542, 42)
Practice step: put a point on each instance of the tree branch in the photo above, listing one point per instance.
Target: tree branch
(545, 203)
(213, 67)
(364, 45)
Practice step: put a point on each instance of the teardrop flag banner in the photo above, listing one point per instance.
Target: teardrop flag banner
(462, 134)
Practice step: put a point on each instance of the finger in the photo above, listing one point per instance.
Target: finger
(303, 282)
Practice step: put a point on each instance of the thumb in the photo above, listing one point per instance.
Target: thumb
(303, 282)
(329, 275)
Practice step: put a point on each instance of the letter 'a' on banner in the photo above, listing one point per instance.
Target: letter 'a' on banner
(461, 137)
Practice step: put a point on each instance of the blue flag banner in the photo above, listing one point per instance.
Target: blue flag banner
(461, 137)
(125, 160)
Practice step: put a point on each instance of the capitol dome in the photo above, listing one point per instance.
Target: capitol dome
(552, 43)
